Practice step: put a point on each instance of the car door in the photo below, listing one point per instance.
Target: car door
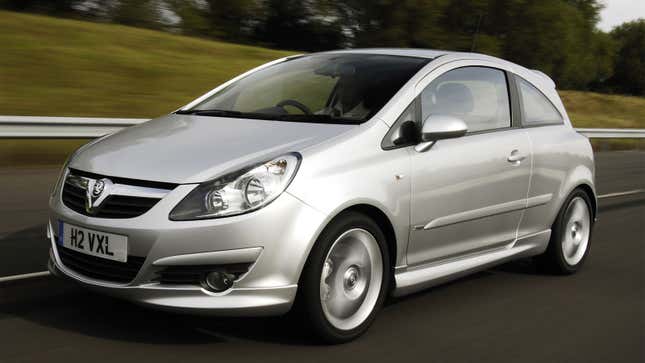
(468, 193)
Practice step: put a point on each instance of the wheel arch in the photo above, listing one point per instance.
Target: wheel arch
(373, 212)
(592, 197)
(587, 189)
(383, 222)
(579, 177)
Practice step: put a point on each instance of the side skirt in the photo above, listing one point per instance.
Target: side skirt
(411, 279)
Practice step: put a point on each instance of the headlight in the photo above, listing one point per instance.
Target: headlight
(240, 192)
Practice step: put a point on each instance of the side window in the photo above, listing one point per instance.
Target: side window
(538, 110)
(477, 95)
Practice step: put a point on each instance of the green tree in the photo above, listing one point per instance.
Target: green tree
(299, 25)
(56, 7)
(396, 23)
(629, 72)
(231, 19)
(139, 13)
(557, 38)
(194, 19)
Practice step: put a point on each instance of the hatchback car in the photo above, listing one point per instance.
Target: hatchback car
(329, 181)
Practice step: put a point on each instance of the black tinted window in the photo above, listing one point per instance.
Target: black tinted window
(405, 130)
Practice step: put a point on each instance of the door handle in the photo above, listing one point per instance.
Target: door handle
(515, 157)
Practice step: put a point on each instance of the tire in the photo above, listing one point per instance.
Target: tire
(340, 305)
(570, 236)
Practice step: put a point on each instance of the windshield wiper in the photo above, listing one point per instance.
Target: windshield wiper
(314, 118)
(213, 112)
(317, 118)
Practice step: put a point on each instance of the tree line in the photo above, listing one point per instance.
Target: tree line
(558, 37)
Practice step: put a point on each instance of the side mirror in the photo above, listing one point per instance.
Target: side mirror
(439, 127)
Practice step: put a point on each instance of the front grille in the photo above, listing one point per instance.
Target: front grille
(114, 206)
(100, 268)
(193, 275)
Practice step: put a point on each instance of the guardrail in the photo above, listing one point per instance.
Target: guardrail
(613, 133)
(36, 127)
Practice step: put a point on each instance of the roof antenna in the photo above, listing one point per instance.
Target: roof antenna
(474, 43)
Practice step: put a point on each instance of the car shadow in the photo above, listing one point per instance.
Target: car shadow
(90, 314)
(525, 266)
(65, 306)
(74, 309)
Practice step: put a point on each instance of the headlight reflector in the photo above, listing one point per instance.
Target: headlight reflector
(240, 192)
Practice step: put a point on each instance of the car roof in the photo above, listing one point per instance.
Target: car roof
(407, 52)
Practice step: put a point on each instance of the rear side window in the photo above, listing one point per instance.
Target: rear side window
(477, 95)
(537, 109)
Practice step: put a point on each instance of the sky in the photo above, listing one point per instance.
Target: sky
(617, 12)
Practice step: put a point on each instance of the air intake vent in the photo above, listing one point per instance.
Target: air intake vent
(194, 275)
(100, 268)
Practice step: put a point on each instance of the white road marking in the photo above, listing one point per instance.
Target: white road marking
(24, 276)
(620, 194)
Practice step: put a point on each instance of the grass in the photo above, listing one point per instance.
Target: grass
(588, 109)
(61, 67)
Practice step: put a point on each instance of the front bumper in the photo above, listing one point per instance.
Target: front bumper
(283, 231)
(235, 302)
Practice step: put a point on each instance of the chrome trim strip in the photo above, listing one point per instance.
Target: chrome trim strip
(538, 200)
(137, 191)
(476, 214)
(242, 255)
(120, 189)
(540, 240)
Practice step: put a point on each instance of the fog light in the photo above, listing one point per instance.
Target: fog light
(219, 281)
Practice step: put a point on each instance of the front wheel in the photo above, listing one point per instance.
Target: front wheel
(570, 236)
(345, 280)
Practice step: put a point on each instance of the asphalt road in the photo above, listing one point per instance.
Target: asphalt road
(511, 313)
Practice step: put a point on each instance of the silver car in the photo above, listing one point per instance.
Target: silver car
(327, 182)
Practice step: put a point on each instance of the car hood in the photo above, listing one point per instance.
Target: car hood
(193, 149)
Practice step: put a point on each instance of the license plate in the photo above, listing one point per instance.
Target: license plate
(95, 243)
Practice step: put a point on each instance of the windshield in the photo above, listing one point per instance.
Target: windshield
(332, 88)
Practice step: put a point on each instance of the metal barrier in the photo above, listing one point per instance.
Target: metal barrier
(12, 127)
(36, 127)
(613, 133)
